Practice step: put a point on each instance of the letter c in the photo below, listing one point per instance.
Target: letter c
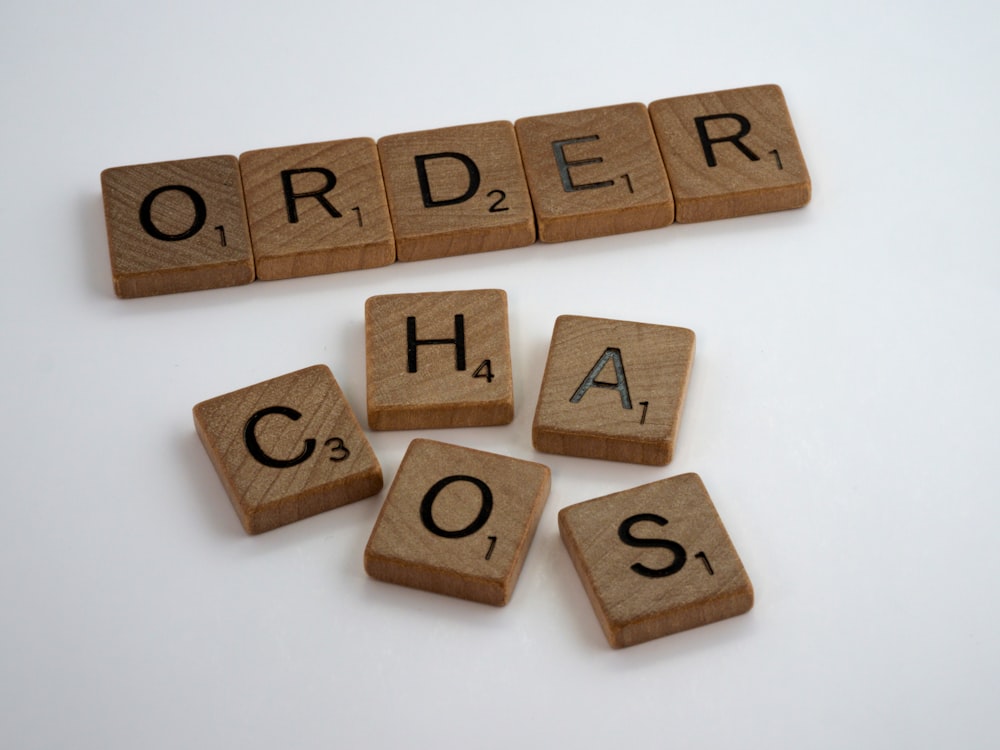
(250, 438)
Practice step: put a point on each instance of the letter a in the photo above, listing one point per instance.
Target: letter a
(620, 384)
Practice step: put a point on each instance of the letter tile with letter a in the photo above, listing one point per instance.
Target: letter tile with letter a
(730, 153)
(457, 190)
(176, 226)
(613, 389)
(288, 448)
(438, 359)
(594, 172)
(317, 208)
(655, 560)
(458, 521)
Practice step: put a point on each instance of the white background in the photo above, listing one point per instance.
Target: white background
(843, 409)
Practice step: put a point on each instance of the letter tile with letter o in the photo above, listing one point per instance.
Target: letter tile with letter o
(655, 560)
(458, 521)
(177, 226)
(288, 448)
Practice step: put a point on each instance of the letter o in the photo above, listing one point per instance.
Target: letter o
(146, 218)
(427, 507)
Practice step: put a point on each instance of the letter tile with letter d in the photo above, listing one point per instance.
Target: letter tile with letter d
(177, 226)
(613, 389)
(655, 560)
(458, 521)
(438, 359)
(288, 448)
(457, 190)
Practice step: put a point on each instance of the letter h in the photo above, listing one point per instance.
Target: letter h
(412, 342)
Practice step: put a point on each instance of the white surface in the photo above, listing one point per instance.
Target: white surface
(843, 410)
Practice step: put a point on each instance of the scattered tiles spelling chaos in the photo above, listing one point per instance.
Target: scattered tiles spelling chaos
(354, 204)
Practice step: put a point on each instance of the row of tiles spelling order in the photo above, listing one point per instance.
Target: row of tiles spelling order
(354, 204)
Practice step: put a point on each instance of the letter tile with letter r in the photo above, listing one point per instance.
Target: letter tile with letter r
(438, 359)
(613, 389)
(458, 521)
(456, 190)
(594, 172)
(317, 208)
(731, 153)
(655, 560)
(288, 448)
(177, 226)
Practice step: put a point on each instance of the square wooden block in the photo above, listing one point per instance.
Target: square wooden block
(317, 208)
(594, 172)
(438, 359)
(458, 521)
(730, 153)
(613, 389)
(655, 560)
(457, 190)
(176, 226)
(288, 448)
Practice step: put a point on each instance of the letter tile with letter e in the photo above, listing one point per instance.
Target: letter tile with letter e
(438, 359)
(613, 389)
(655, 560)
(288, 448)
(176, 226)
(456, 190)
(317, 208)
(458, 521)
(594, 172)
(730, 153)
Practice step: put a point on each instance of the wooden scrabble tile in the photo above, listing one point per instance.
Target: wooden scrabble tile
(176, 226)
(655, 560)
(438, 359)
(730, 153)
(594, 172)
(317, 208)
(613, 389)
(458, 521)
(288, 448)
(457, 190)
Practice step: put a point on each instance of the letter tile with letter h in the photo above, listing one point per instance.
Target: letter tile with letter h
(438, 359)
(458, 521)
(613, 389)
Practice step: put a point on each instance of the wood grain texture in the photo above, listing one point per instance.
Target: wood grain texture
(288, 448)
(689, 573)
(463, 380)
(731, 153)
(317, 208)
(594, 172)
(473, 198)
(458, 521)
(613, 390)
(176, 226)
